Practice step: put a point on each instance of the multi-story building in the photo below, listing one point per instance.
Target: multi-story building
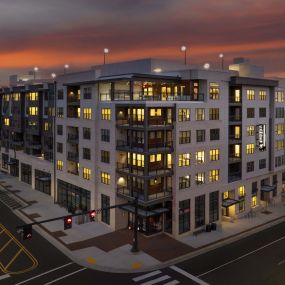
(195, 145)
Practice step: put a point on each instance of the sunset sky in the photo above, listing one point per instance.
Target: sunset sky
(50, 33)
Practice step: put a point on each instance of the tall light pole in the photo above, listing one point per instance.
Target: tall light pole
(36, 69)
(105, 52)
(221, 56)
(65, 68)
(53, 75)
(184, 50)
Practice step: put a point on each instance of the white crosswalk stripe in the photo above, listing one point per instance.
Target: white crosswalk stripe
(4, 276)
(153, 278)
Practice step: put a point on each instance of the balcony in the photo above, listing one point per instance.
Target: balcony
(235, 138)
(235, 118)
(154, 146)
(73, 171)
(72, 138)
(73, 156)
(234, 158)
(234, 176)
(73, 100)
(153, 122)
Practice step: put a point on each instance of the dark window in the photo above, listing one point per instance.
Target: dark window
(262, 163)
(199, 211)
(59, 130)
(86, 133)
(214, 206)
(279, 112)
(60, 112)
(214, 134)
(184, 216)
(105, 135)
(86, 153)
(5, 159)
(262, 112)
(87, 93)
(184, 137)
(254, 188)
(250, 112)
(200, 135)
(274, 180)
(60, 94)
(184, 182)
(26, 173)
(105, 202)
(59, 147)
(214, 114)
(250, 166)
(105, 156)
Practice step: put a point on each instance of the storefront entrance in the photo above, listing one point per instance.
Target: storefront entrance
(43, 181)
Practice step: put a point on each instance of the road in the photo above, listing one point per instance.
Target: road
(257, 259)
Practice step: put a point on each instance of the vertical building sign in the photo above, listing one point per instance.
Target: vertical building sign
(261, 137)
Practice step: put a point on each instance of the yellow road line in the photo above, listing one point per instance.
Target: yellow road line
(1, 232)
(5, 245)
(14, 257)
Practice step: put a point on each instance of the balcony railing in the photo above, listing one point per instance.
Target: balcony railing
(235, 118)
(72, 138)
(157, 121)
(151, 145)
(73, 156)
(235, 137)
(73, 171)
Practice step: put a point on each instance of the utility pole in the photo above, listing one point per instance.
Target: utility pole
(135, 238)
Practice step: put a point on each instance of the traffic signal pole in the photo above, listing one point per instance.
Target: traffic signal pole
(135, 229)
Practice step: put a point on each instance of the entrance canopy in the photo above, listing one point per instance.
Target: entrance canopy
(268, 188)
(46, 178)
(229, 202)
(144, 213)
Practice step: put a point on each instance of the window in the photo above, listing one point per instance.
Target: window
(241, 206)
(279, 160)
(200, 156)
(59, 147)
(262, 163)
(184, 137)
(106, 114)
(86, 153)
(86, 173)
(250, 131)
(87, 92)
(138, 159)
(250, 166)
(214, 114)
(279, 95)
(214, 91)
(60, 94)
(33, 111)
(262, 95)
(199, 211)
(200, 114)
(200, 178)
(155, 112)
(184, 216)
(241, 191)
(279, 129)
(59, 130)
(33, 96)
(250, 148)
(250, 94)
(105, 135)
(86, 133)
(46, 126)
(16, 97)
(200, 135)
(214, 175)
(262, 112)
(105, 203)
(253, 201)
(214, 154)
(214, 206)
(87, 113)
(59, 112)
(6, 121)
(250, 112)
(237, 97)
(105, 156)
(184, 159)
(279, 112)
(155, 157)
(183, 114)
(279, 144)
(184, 182)
(105, 178)
(59, 165)
(214, 134)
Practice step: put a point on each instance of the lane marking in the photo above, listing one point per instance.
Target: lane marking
(5, 245)
(1, 232)
(14, 257)
(241, 257)
(65, 276)
(281, 262)
(157, 280)
(188, 275)
(4, 276)
(142, 277)
(173, 282)
(47, 272)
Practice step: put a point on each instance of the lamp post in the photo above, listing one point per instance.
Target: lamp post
(184, 49)
(53, 75)
(65, 68)
(105, 52)
(207, 65)
(36, 69)
(221, 56)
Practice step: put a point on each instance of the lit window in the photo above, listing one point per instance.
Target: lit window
(214, 114)
(250, 94)
(250, 148)
(250, 130)
(226, 195)
(184, 159)
(6, 121)
(200, 114)
(46, 126)
(262, 95)
(183, 114)
(106, 114)
(155, 112)
(105, 178)
(214, 91)
(59, 165)
(214, 154)
(253, 201)
(279, 144)
(155, 157)
(87, 113)
(200, 178)
(279, 129)
(184, 182)
(279, 95)
(16, 96)
(33, 96)
(237, 97)
(33, 111)
(214, 175)
(241, 191)
(200, 156)
(138, 159)
(86, 173)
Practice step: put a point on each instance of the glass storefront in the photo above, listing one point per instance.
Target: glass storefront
(26, 173)
(72, 197)
(43, 181)
(14, 167)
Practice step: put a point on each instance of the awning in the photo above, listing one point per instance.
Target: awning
(268, 188)
(11, 162)
(144, 213)
(229, 202)
(46, 178)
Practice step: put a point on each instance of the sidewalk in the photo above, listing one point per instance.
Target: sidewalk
(94, 245)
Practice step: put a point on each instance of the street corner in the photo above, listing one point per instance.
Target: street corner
(14, 257)
(136, 265)
(90, 260)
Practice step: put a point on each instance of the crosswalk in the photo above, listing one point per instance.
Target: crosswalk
(155, 277)
(8, 200)
(4, 276)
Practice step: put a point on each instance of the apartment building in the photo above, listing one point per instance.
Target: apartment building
(195, 145)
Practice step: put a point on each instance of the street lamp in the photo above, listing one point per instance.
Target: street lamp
(105, 51)
(65, 68)
(206, 65)
(221, 56)
(184, 49)
(36, 69)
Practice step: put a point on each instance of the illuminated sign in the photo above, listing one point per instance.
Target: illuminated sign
(261, 137)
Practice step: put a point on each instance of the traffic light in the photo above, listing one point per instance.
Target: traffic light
(68, 222)
(92, 215)
(27, 232)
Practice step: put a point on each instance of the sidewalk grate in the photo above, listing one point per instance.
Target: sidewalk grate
(9, 201)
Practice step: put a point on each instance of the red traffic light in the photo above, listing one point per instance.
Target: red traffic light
(92, 215)
(68, 222)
